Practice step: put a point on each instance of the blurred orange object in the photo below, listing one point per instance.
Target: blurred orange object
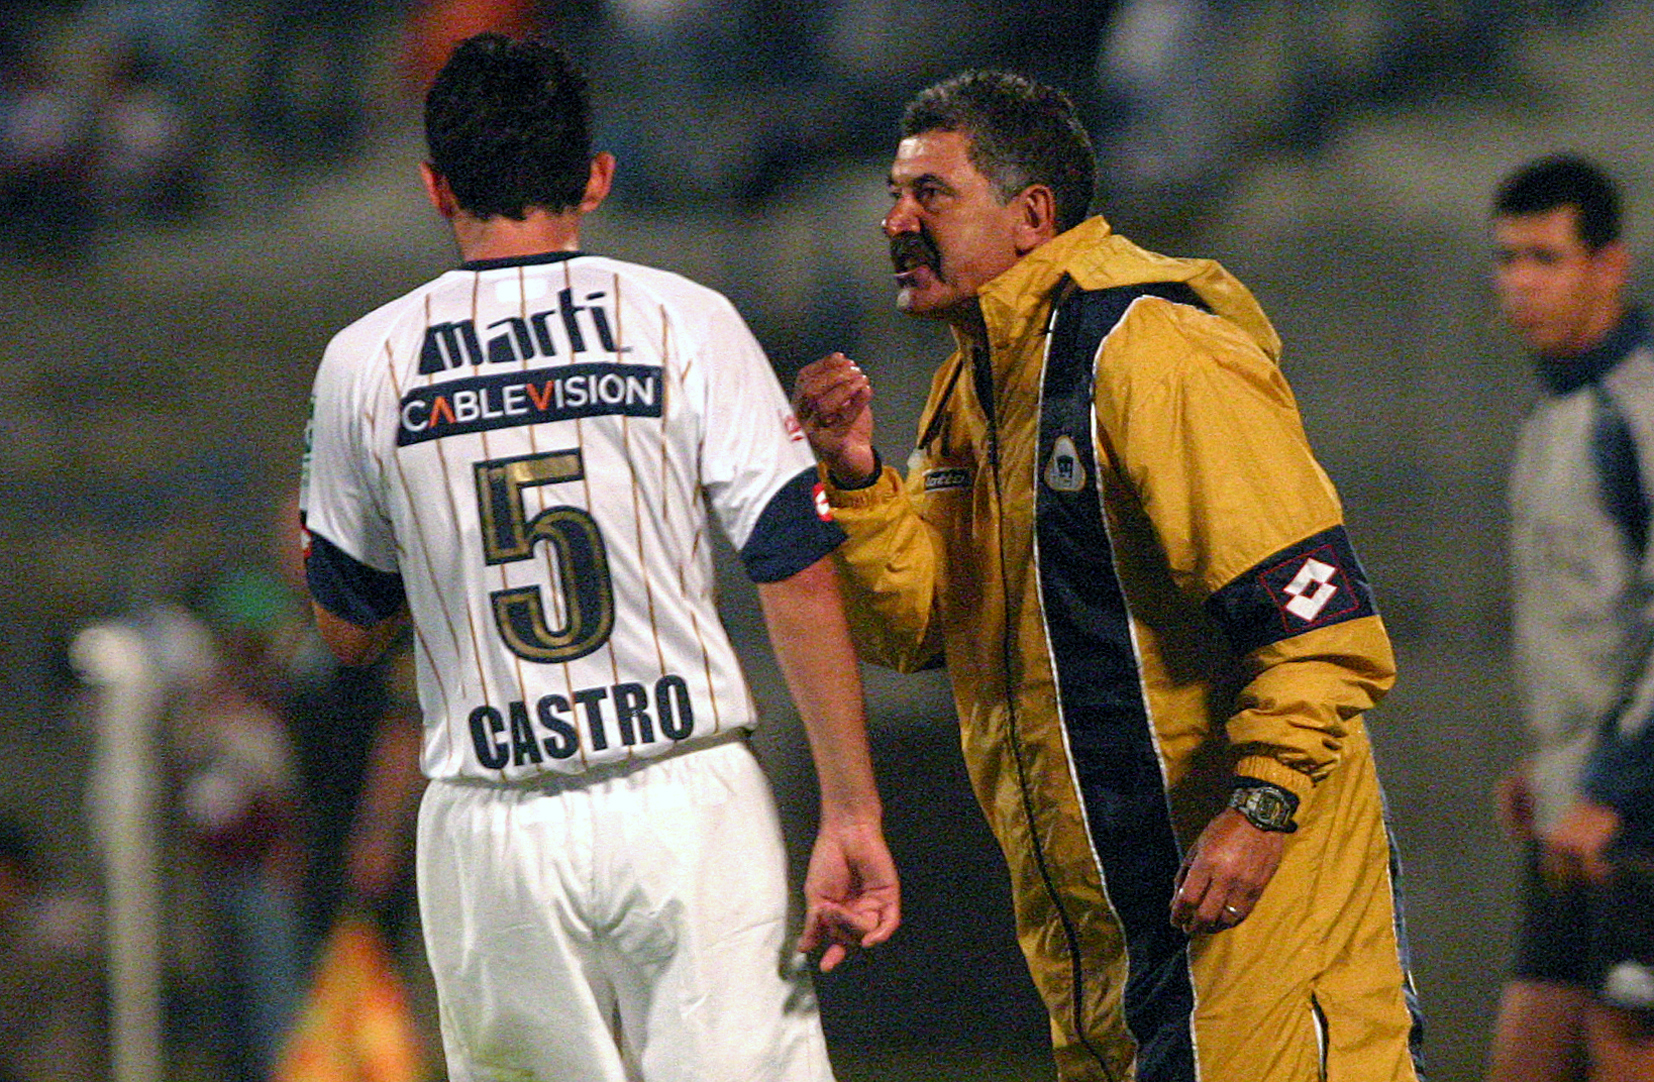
(438, 25)
(355, 1025)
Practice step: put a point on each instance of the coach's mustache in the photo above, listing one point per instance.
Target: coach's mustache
(915, 249)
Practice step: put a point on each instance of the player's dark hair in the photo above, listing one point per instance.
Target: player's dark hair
(508, 125)
(1021, 132)
(1565, 180)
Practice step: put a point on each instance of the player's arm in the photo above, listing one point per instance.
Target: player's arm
(851, 890)
(360, 610)
(1617, 784)
(354, 644)
(379, 834)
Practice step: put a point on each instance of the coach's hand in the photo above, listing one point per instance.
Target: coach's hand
(831, 398)
(851, 896)
(1224, 873)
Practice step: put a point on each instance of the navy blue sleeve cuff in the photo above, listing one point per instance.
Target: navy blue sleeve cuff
(349, 589)
(795, 530)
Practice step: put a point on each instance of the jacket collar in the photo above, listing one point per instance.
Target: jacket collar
(1092, 256)
(1564, 375)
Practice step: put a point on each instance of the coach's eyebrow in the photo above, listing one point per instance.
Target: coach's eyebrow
(932, 179)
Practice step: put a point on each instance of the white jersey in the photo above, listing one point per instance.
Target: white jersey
(524, 450)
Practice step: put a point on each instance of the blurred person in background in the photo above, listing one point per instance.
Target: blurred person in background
(1580, 1002)
(146, 164)
(46, 137)
(153, 103)
(239, 795)
(1115, 536)
(100, 122)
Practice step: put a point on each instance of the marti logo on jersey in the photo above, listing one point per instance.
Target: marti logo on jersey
(470, 403)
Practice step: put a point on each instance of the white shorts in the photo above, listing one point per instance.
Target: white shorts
(629, 924)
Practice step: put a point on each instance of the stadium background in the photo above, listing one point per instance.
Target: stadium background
(157, 377)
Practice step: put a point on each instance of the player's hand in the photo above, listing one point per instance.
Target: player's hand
(1224, 873)
(1577, 845)
(1513, 804)
(831, 398)
(851, 894)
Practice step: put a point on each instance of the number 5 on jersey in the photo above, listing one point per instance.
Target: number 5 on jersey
(577, 558)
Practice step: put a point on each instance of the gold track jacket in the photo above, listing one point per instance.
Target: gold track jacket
(1114, 534)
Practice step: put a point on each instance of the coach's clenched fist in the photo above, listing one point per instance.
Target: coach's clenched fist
(831, 398)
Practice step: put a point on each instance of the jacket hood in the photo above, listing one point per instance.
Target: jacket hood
(1093, 256)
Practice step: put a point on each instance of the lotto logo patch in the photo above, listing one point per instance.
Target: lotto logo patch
(1310, 588)
(1311, 584)
(824, 510)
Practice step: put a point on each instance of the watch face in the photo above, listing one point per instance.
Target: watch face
(1270, 805)
(1266, 808)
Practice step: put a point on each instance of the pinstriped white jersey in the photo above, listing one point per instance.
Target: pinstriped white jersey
(525, 450)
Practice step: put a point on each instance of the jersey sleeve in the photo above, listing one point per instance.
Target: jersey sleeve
(351, 560)
(1210, 440)
(757, 467)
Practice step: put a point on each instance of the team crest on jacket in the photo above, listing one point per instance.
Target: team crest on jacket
(1064, 472)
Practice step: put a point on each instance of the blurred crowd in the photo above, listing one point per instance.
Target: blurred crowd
(116, 113)
(123, 112)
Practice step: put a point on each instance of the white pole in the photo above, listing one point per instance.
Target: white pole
(124, 802)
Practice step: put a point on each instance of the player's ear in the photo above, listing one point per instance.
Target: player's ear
(438, 191)
(598, 181)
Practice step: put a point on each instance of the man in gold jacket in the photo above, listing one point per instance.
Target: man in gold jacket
(1114, 534)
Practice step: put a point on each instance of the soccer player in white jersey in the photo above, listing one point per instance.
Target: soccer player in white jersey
(519, 457)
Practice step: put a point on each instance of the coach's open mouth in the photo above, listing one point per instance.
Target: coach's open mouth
(911, 253)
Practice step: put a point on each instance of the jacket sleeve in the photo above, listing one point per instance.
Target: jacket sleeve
(889, 570)
(1206, 433)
